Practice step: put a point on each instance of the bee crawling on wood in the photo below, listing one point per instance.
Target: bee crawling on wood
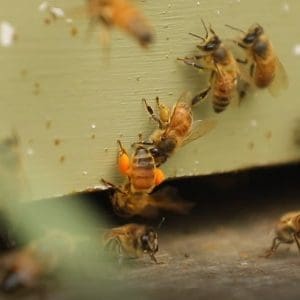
(176, 128)
(266, 70)
(122, 14)
(132, 241)
(287, 231)
(219, 60)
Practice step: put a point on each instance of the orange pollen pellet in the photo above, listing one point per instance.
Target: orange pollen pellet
(123, 163)
(159, 176)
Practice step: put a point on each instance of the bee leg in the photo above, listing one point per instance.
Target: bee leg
(113, 186)
(252, 70)
(201, 96)
(153, 258)
(273, 248)
(189, 62)
(240, 45)
(123, 160)
(297, 242)
(151, 112)
(242, 61)
(243, 91)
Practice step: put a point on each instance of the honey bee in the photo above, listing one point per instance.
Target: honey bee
(287, 231)
(127, 204)
(140, 169)
(25, 267)
(133, 197)
(122, 14)
(176, 128)
(132, 241)
(266, 70)
(224, 69)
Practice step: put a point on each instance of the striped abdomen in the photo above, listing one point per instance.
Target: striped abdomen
(223, 89)
(265, 71)
(142, 171)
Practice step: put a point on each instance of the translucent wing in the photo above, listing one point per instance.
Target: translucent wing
(200, 128)
(280, 81)
(185, 97)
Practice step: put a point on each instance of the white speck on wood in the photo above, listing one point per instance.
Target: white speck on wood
(297, 50)
(7, 34)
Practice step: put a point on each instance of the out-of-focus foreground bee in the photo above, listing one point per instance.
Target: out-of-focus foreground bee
(123, 14)
(132, 241)
(224, 70)
(287, 231)
(176, 128)
(26, 267)
(266, 70)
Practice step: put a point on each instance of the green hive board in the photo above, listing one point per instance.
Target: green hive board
(70, 101)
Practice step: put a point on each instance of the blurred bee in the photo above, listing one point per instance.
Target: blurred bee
(25, 267)
(176, 128)
(122, 14)
(266, 71)
(287, 231)
(224, 69)
(132, 241)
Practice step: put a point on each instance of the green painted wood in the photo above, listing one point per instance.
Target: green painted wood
(55, 88)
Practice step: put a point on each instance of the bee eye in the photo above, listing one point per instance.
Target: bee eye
(209, 46)
(249, 39)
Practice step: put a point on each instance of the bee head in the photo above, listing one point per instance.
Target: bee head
(149, 241)
(211, 41)
(254, 32)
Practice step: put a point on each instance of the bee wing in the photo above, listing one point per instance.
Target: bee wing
(280, 82)
(200, 128)
(167, 199)
(186, 96)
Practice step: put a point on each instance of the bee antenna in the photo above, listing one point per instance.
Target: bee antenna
(206, 31)
(197, 36)
(235, 28)
(161, 222)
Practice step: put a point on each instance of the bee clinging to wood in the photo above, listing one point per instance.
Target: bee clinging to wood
(176, 128)
(224, 69)
(122, 14)
(266, 70)
(287, 231)
(133, 197)
(132, 241)
(142, 173)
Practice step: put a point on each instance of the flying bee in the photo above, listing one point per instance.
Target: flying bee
(287, 231)
(132, 241)
(122, 14)
(224, 69)
(266, 70)
(176, 128)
